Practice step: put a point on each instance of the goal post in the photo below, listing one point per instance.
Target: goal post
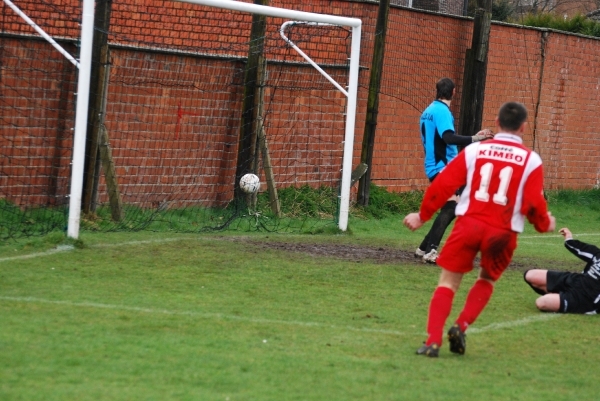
(352, 92)
(83, 85)
(83, 92)
(176, 102)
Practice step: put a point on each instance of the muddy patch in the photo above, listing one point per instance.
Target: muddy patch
(358, 253)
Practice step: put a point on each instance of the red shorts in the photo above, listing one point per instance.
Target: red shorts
(470, 236)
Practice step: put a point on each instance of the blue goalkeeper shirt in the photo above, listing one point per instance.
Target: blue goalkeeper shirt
(435, 120)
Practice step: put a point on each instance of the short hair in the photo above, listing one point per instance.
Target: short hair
(444, 88)
(512, 115)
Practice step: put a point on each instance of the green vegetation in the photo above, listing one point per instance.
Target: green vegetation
(305, 210)
(577, 199)
(577, 24)
(16, 223)
(304, 202)
(386, 204)
(502, 10)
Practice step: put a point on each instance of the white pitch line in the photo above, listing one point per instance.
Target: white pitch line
(197, 314)
(514, 323)
(473, 330)
(65, 248)
(542, 236)
(142, 242)
(58, 249)
(538, 243)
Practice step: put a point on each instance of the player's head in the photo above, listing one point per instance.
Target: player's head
(444, 88)
(512, 117)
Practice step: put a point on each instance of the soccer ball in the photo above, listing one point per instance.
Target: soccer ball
(250, 183)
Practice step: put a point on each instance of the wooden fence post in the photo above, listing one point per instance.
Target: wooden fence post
(471, 109)
(248, 135)
(366, 155)
(98, 81)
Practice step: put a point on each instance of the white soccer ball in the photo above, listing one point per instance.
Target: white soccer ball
(250, 183)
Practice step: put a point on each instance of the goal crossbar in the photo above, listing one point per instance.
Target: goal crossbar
(351, 93)
(278, 12)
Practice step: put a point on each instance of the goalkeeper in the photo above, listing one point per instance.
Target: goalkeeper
(441, 146)
(567, 292)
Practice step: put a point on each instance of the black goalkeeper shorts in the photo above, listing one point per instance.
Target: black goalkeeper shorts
(576, 295)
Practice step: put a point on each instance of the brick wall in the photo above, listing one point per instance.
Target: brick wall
(567, 122)
(175, 96)
(36, 111)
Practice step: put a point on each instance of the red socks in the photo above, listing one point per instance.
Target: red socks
(441, 305)
(477, 299)
(439, 309)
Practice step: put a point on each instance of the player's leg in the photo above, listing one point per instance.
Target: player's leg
(438, 228)
(548, 303)
(497, 247)
(567, 293)
(542, 281)
(477, 299)
(537, 279)
(456, 259)
(440, 307)
(422, 249)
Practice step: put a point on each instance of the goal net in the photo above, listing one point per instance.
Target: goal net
(37, 86)
(177, 116)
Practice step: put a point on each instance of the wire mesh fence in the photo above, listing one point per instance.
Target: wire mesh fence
(171, 111)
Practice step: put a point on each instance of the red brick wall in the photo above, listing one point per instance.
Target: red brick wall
(568, 118)
(420, 49)
(173, 119)
(178, 144)
(36, 108)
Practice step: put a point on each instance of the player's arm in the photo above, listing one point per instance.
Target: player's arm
(452, 177)
(450, 138)
(534, 204)
(582, 250)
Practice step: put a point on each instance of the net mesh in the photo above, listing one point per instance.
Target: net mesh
(176, 91)
(171, 124)
(36, 105)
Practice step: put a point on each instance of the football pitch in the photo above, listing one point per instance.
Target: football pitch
(262, 316)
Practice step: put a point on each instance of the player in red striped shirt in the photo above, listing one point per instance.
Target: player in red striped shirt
(503, 185)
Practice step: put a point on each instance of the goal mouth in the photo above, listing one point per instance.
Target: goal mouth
(171, 126)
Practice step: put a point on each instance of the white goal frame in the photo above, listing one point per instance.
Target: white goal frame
(83, 90)
(81, 112)
(83, 94)
(351, 93)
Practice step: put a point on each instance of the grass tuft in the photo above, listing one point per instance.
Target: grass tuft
(384, 204)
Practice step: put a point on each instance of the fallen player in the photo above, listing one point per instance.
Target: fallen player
(566, 292)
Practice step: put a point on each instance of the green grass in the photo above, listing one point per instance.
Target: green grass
(189, 319)
(164, 316)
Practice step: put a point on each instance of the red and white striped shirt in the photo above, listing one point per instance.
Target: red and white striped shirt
(503, 182)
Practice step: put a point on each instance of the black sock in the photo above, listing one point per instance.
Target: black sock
(440, 224)
(425, 244)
